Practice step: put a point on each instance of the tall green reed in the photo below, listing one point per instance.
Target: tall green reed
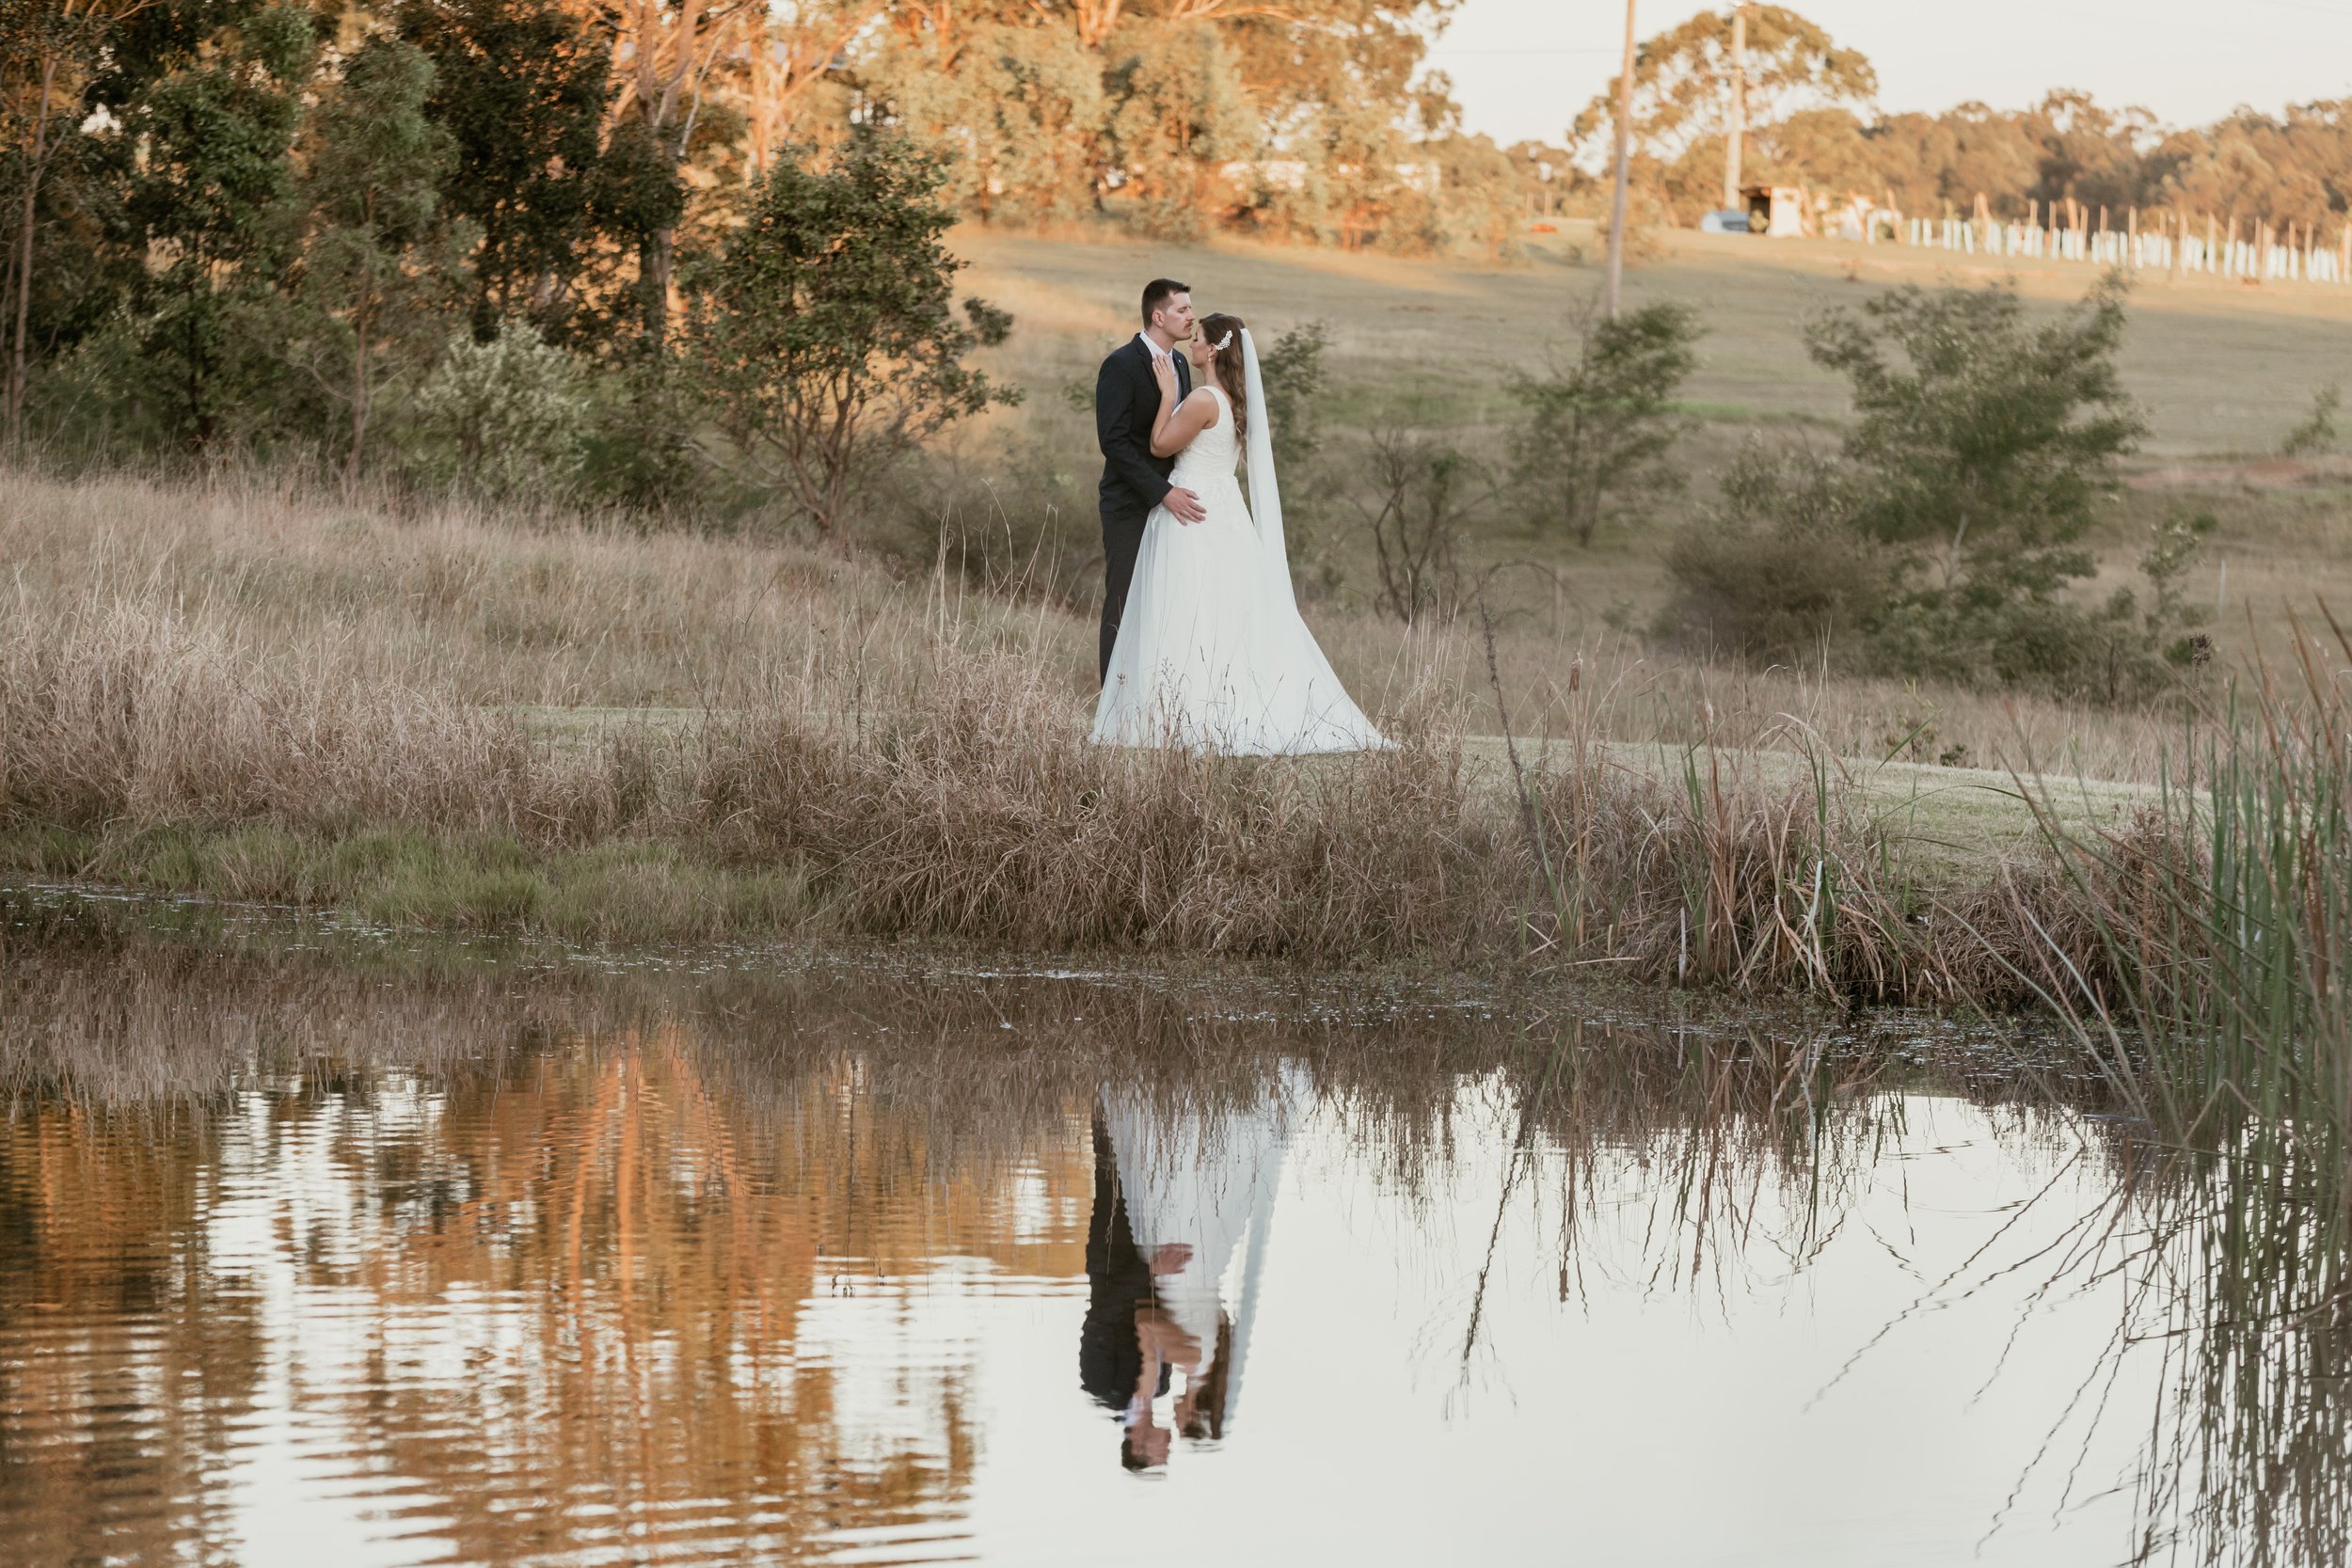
(2212, 999)
(1722, 872)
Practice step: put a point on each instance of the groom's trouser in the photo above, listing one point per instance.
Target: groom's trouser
(1123, 537)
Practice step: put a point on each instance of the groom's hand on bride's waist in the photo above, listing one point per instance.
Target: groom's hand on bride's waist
(1185, 506)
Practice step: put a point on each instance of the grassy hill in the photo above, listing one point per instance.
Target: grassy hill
(2223, 370)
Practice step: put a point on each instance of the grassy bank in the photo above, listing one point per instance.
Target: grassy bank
(241, 693)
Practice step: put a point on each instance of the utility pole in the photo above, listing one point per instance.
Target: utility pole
(1625, 144)
(1736, 137)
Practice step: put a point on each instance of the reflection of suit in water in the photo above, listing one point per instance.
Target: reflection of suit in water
(1118, 1281)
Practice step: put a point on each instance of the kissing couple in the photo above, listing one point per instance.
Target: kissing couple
(1202, 645)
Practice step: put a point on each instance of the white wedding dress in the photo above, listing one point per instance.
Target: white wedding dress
(1205, 1179)
(1211, 654)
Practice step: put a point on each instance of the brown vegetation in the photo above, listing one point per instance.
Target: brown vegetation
(236, 696)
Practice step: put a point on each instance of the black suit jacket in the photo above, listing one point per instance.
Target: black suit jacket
(1126, 404)
(1119, 1284)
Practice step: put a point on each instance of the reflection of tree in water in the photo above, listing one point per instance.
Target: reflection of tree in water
(125, 1364)
(636, 1260)
(578, 1275)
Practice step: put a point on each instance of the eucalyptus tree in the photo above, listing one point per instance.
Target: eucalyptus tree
(522, 89)
(212, 200)
(825, 336)
(50, 55)
(380, 266)
(1683, 93)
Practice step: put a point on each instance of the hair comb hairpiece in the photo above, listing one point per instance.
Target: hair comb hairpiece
(1224, 342)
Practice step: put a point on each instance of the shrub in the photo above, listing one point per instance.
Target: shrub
(503, 420)
(639, 454)
(2139, 644)
(2318, 433)
(1597, 431)
(1984, 444)
(1951, 525)
(824, 338)
(1416, 496)
(1777, 570)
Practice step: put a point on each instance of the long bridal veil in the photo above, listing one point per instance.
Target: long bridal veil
(1316, 712)
(1266, 494)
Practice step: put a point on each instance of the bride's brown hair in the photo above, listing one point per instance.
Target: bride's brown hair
(1222, 333)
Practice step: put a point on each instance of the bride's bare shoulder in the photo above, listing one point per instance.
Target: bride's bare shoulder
(1210, 403)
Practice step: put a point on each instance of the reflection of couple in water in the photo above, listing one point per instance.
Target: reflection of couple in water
(1181, 1197)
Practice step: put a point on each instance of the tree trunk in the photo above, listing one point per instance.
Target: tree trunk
(20, 364)
(200, 418)
(358, 393)
(655, 254)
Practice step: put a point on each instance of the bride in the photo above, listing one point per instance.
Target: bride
(1211, 654)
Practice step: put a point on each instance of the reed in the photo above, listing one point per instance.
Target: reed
(2207, 983)
(1732, 869)
(2220, 924)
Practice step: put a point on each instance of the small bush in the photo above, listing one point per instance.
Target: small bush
(2139, 644)
(2318, 433)
(1596, 432)
(1777, 571)
(502, 419)
(823, 340)
(639, 454)
(1942, 543)
(1416, 496)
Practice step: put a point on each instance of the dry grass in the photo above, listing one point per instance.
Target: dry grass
(496, 611)
(123, 712)
(232, 692)
(986, 814)
(551, 614)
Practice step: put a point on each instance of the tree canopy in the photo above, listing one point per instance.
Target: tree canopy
(1811, 121)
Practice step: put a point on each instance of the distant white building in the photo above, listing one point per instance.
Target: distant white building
(1281, 174)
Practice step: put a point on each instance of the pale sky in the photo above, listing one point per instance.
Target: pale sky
(1523, 68)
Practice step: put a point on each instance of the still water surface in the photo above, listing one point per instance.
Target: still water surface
(309, 1260)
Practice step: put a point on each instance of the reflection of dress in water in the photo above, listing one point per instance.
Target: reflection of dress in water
(1202, 1180)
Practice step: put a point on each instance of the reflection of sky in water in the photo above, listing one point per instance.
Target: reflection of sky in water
(466, 1346)
(1641, 1422)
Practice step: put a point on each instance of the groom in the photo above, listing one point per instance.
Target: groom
(1127, 403)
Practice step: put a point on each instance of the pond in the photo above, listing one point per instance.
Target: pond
(317, 1248)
